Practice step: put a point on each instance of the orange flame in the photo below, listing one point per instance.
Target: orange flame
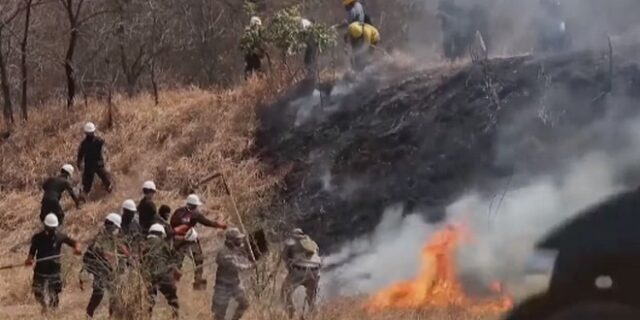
(437, 284)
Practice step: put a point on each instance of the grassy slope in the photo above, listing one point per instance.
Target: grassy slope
(189, 135)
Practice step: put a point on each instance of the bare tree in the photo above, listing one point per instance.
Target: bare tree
(4, 84)
(73, 10)
(23, 59)
(7, 14)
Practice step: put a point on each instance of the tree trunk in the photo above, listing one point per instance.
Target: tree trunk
(23, 60)
(4, 85)
(154, 83)
(68, 64)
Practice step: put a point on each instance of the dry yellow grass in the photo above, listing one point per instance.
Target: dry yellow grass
(191, 134)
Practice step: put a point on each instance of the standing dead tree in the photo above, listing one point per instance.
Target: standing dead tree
(73, 10)
(23, 59)
(8, 12)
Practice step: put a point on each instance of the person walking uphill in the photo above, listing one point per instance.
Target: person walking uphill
(183, 222)
(146, 207)
(160, 265)
(91, 154)
(300, 255)
(105, 260)
(45, 252)
(355, 12)
(231, 261)
(53, 189)
(131, 229)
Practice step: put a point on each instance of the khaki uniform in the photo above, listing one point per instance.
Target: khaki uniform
(159, 263)
(303, 263)
(105, 260)
(230, 261)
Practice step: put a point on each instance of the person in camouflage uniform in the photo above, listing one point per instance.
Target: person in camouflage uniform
(160, 265)
(105, 259)
(252, 45)
(231, 260)
(300, 255)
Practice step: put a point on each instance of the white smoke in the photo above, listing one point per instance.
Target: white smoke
(389, 254)
(504, 227)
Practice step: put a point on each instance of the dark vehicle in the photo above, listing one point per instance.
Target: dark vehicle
(595, 269)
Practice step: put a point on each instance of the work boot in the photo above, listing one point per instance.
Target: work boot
(200, 285)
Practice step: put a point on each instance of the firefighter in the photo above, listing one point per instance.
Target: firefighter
(231, 261)
(252, 44)
(311, 47)
(160, 264)
(355, 12)
(105, 261)
(363, 39)
(146, 207)
(300, 256)
(91, 154)
(183, 222)
(45, 249)
(131, 228)
(53, 189)
(163, 219)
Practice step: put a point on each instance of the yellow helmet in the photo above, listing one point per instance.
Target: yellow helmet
(356, 30)
(347, 2)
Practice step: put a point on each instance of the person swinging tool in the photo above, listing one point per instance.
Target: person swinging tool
(159, 262)
(300, 255)
(231, 261)
(363, 39)
(105, 261)
(183, 222)
(53, 189)
(45, 249)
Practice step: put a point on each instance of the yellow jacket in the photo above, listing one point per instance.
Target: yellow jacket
(369, 33)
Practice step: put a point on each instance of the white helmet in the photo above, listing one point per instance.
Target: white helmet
(89, 127)
(51, 221)
(68, 169)
(194, 200)
(114, 218)
(156, 227)
(129, 205)
(192, 235)
(255, 21)
(306, 23)
(149, 185)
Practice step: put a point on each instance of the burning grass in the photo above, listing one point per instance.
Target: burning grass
(437, 286)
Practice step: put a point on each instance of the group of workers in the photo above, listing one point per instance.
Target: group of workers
(361, 36)
(154, 242)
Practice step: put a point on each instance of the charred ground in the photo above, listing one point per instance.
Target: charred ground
(422, 138)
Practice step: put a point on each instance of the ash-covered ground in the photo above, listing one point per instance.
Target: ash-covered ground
(422, 139)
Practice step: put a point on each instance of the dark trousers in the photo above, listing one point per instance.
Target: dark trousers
(51, 206)
(100, 286)
(193, 250)
(253, 64)
(168, 290)
(46, 289)
(89, 174)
